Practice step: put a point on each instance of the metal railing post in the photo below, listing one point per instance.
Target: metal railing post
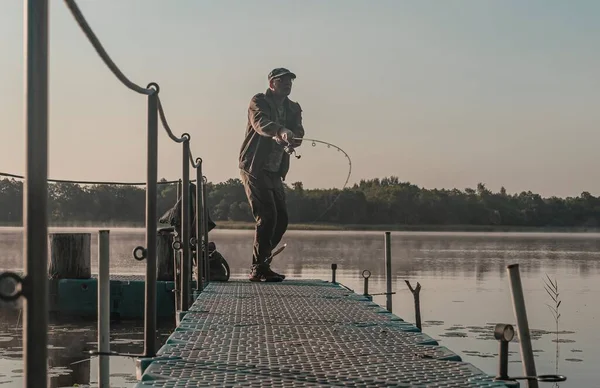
(151, 224)
(388, 272)
(522, 324)
(185, 228)
(35, 222)
(103, 308)
(199, 227)
(205, 231)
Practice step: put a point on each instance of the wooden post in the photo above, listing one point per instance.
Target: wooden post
(70, 256)
(415, 292)
(164, 255)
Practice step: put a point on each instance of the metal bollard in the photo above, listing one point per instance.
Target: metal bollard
(333, 269)
(504, 333)
(366, 274)
(103, 308)
(388, 272)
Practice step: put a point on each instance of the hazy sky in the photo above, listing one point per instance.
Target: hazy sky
(442, 94)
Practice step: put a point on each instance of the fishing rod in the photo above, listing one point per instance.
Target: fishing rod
(290, 150)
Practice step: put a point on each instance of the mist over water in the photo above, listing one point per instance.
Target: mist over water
(465, 292)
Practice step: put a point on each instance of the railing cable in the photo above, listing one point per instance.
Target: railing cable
(163, 119)
(100, 50)
(94, 182)
(119, 74)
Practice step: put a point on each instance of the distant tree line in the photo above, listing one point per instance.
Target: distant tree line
(370, 202)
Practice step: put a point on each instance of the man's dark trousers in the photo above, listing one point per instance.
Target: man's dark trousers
(266, 196)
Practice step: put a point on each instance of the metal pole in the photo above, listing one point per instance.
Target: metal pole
(185, 228)
(177, 258)
(151, 223)
(205, 226)
(176, 279)
(503, 361)
(333, 269)
(388, 272)
(35, 222)
(522, 324)
(103, 308)
(199, 227)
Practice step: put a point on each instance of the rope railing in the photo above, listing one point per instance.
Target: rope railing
(5, 174)
(185, 137)
(33, 285)
(103, 54)
(87, 30)
(155, 108)
(196, 163)
(163, 119)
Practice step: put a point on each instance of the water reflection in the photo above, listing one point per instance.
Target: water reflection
(444, 254)
(66, 346)
(465, 292)
(69, 342)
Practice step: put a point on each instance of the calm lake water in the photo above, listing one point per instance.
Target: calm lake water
(465, 292)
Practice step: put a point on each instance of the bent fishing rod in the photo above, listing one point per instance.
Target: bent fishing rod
(291, 150)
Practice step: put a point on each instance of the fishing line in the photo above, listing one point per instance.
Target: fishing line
(290, 150)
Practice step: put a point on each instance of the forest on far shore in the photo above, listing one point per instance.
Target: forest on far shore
(385, 201)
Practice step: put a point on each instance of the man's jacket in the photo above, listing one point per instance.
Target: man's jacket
(262, 126)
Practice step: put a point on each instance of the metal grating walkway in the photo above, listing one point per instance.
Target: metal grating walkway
(301, 334)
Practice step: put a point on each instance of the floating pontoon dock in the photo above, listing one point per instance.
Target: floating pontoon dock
(300, 333)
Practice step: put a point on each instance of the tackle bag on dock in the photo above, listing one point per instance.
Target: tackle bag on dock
(218, 266)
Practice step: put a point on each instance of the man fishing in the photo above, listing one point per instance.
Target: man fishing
(274, 129)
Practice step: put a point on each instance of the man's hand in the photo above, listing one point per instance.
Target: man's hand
(285, 135)
(297, 142)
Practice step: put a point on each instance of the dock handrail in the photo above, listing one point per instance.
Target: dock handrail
(155, 108)
(33, 285)
(166, 182)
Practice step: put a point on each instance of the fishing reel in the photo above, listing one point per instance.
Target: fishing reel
(291, 151)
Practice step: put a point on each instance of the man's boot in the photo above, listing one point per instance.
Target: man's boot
(261, 272)
(270, 259)
(273, 273)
